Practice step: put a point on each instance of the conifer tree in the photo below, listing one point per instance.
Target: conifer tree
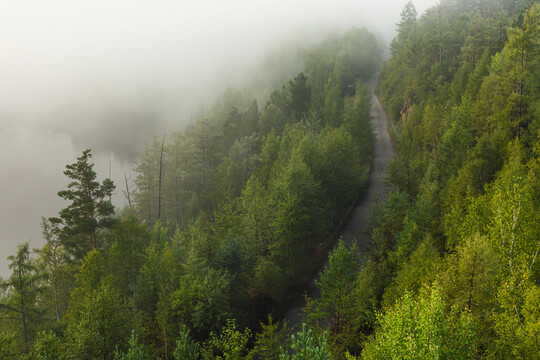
(24, 286)
(408, 18)
(90, 209)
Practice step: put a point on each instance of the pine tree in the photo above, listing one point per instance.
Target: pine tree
(90, 209)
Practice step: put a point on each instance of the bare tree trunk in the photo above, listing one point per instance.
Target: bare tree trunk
(127, 190)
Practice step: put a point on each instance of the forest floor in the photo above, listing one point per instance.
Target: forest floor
(358, 220)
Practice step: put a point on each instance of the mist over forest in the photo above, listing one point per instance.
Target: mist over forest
(241, 180)
(108, 76)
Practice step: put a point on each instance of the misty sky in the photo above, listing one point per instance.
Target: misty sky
(108, 74)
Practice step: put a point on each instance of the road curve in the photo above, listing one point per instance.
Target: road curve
(357, 222)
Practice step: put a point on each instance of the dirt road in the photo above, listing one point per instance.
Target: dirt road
(356, 225)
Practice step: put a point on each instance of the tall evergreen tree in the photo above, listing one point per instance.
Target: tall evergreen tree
(90, 209)
(300, 96)
(408, 19)
(23, 286)
(335, 307)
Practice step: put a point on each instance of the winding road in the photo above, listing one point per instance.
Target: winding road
(357, 221)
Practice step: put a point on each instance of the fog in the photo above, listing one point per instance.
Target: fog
(106, 75)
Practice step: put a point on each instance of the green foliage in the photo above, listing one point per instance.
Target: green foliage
(298, 213)
(90, 209)
(151, 279)
(269, 340)
(229, 255)
(256, 176)
(186, 349)
(353, 63)
(23, 287)
(300, 94)
(461, 93)
(231, 344)
(408, 20)
(54, 261)
(158, 279)
(272, 119)
(512, 229)
(124, 254)
(240, 209)
(469, 277)
(231, 174)
(97, 323)
(333, 106)
(147, 169)
(256, 220)
(518, 330)
(135, 351)
(335, 307)
(98, 317)
(201, 300)
(419, 268)
(305, 347)
(418, 328)
(357, 121)
(223, 219)
(270, 279)
(90, 274)
(7, 345)
(46, 346)
(340, 174)
(369, 286)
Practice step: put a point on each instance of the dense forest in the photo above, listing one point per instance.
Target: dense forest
(229, 217)
(454, 272)
(224, 222)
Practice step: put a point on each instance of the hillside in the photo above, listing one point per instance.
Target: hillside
(457, 242)
(226, 220)
(229, 218)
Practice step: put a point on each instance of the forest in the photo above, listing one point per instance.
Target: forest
(229, 217)
(224, 221)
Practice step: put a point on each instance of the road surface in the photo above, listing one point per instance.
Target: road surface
(357, 222)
